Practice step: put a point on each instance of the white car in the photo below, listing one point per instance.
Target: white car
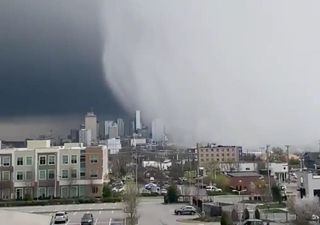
(118, 189)
(61, 217)
(213, 188)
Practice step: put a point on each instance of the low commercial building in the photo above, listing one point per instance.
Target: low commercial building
(249, 182)
(279, 171)
(42, 171)
(308, 184)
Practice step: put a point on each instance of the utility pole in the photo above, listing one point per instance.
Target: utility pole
(288, 160)
(268, 172)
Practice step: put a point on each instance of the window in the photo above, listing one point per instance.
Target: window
(42, 160)
(51, 174)
(247, 168)
(42, 192)
(207, 150)
(6, 161)
(94, 174)
(42, 174)
(19, 175)
(82, 174)
(207, 155)
(6, 175)
(74, 159)
(29, 160)
(82, 158)
(94, 159)
(51, 159)
(28, 175)
(64, 174)
(94, 190)
(73, 173)
(19, 161)
(65, 159)
(217, 155)
(201, 155)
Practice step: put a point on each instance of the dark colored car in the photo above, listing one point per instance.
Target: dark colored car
(87, 219)
(185, 210)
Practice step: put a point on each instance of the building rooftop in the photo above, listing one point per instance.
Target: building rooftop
(244, 174)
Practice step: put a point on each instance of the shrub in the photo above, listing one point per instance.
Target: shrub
(225, 219)
(172, 194)
(245, 214)
(257, 214)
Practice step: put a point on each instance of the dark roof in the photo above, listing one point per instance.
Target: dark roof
(244, 174)
(311, 158)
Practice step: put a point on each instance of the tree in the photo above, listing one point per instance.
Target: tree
(172, 194)
(225, 219)
(294, 162)
(234, 215)
(211, 170)
(107, 191)
(257, 214)
(131, 201)
(276, 194)
(245, 214)
(222, 182)
(304, 209)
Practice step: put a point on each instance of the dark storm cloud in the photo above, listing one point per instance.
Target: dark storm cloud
(50, 58)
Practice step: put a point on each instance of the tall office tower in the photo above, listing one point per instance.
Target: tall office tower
(107, 125)
(158, 130)
(85, 137)
(90, 122)
(138, 120)
(113, 130)
(120, 123)
(132, 127)
(74, 135)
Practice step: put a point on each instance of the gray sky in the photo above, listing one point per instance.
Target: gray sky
(242, 72)
(233, 72)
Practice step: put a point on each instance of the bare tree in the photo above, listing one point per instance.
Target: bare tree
(131, 201)
(304, 209)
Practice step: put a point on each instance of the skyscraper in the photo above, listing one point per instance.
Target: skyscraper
(138, 120)
(120, 123)
(158, 130)
(113, 130)
(85, 137)
(107, 125)
(90, 123)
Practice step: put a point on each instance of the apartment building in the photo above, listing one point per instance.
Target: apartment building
(218, 153)
(42, 171)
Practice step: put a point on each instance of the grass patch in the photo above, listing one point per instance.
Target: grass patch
(274, 210)
(272, 205)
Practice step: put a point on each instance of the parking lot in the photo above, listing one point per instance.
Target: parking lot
(100, 217)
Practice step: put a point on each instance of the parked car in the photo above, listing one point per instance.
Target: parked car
(87, 219)
(150, 186)
(61, 217)
(252, 222)
(213, 188)
(185, 210)
(163, 191)
(118, 189)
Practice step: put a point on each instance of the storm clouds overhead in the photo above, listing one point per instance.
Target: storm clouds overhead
(234, 72)
(51, 59)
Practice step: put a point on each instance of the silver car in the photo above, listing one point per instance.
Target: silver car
(61, 217)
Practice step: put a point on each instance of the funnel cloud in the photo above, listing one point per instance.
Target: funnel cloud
(232, 72)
